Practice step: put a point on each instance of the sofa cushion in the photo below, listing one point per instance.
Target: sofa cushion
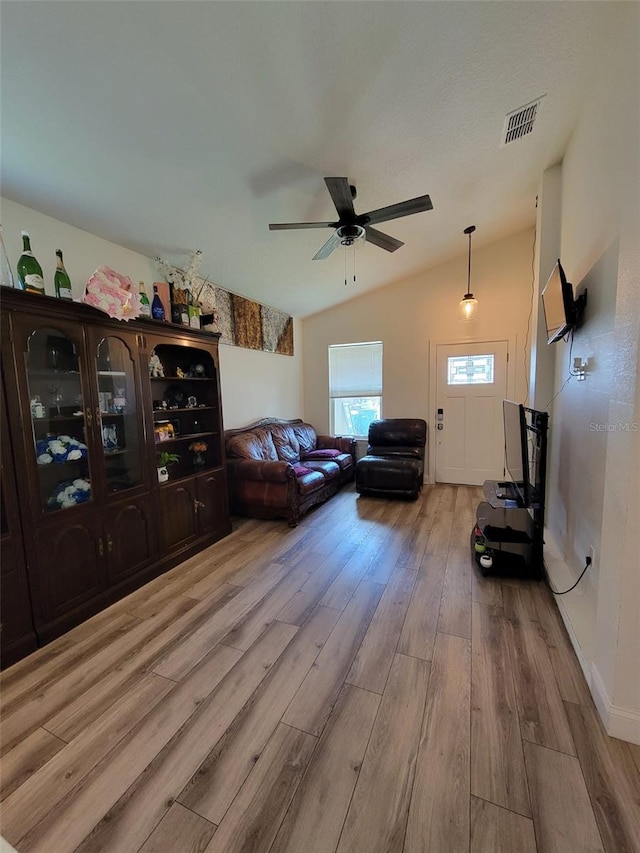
(301, 470)
(286, 443)
(257, 444)
(403, 452)
(322, 454)
(327, 467)
(307, 437)
(309, 483)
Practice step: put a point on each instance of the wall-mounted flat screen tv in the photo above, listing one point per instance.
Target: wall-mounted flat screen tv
(561, 310)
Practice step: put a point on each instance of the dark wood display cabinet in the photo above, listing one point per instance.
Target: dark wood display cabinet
(86, 424)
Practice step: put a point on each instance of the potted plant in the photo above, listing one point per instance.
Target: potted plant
(164, 459)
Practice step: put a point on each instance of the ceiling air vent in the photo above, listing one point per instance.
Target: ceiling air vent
(519, 123)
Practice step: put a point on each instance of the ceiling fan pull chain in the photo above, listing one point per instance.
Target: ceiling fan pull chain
(345, 266)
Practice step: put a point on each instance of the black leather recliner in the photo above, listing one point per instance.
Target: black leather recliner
(394, 464)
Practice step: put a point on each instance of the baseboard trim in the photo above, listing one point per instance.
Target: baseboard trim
(623, 723)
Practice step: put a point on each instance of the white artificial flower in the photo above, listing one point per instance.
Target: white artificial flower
(44, 459)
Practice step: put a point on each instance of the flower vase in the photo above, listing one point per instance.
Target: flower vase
(163, 474)
(198, 459)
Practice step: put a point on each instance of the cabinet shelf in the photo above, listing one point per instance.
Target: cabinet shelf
(56, 419)
(192, 436)
(181, 379)
(166, 412)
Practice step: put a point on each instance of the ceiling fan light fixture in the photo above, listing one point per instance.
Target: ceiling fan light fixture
(469, 303)
(350, 235)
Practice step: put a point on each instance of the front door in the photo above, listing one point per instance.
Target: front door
(469, 434)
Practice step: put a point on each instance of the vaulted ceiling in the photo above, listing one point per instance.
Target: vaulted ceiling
(171, 126)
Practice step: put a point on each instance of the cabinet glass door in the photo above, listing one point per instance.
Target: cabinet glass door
(58, 420)
(118, 407)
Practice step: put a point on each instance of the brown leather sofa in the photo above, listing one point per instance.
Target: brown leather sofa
(279, 468)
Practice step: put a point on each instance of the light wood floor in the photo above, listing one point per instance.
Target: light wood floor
(352, 685)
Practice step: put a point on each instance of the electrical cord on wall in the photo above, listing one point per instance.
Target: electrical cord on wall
(565, 591)
(572, 373)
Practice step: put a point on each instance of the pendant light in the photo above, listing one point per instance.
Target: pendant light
(468, 303)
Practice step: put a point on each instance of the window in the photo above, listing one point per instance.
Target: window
(355, 387)
(470, 370)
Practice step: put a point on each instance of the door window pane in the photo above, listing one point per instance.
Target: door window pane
(470, 370)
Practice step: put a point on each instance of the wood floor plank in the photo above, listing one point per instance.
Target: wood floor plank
(83, 677)
(301, 605)
(377, 817)
(414, 544)
(485, 590)
(318, 692)
(497, 759)
(32, 683)
(497, 830)
(419, 630)
(607, 765)
(543, 719)
(211, 790)
(373, 661)
(244, 632)
(46, 788)
(180, 830)
(320, 804)
(27, 757)
(129, 820)
(569, 676)
(562, 812)
(455, 604)
(465, 518)
(252, 822)
(178, 662)
(387, 557)
(339, 593)
(83, 709)
(438, 543)
(439, 811)
(76, 815)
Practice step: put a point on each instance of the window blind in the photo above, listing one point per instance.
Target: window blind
(355, 370)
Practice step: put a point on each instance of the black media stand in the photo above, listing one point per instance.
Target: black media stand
(513, 530)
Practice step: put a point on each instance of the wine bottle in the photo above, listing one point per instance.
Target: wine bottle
(6, 276)
(157, 309)
(145, 307)
(61, 279)
(28, 269)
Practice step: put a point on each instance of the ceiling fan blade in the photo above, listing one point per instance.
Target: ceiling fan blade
(328, 247)
(284, 226)
(383, 240)
(341, 194)
(395, 211)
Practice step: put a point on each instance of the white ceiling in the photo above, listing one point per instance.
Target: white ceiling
(171, 126)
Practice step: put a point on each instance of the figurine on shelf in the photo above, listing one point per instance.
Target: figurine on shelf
(179, 373)
(156, 370)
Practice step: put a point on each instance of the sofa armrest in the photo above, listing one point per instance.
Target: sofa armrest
(345, 444)
(259, 470)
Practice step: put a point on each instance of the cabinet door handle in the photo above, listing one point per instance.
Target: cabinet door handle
(89, 415)
(100, 546)
(109, 543)
(97, 414)
(198, 504)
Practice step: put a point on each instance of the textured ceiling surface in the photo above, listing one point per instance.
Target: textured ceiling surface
(171, 126)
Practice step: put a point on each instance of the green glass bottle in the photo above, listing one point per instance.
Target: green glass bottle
(145, 305)
(61, 279)
(28, 269)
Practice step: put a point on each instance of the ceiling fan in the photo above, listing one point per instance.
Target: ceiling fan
(351, 226)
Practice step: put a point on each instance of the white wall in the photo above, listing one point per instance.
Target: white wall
(594, 477)
(407, 315)
(254, 384)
